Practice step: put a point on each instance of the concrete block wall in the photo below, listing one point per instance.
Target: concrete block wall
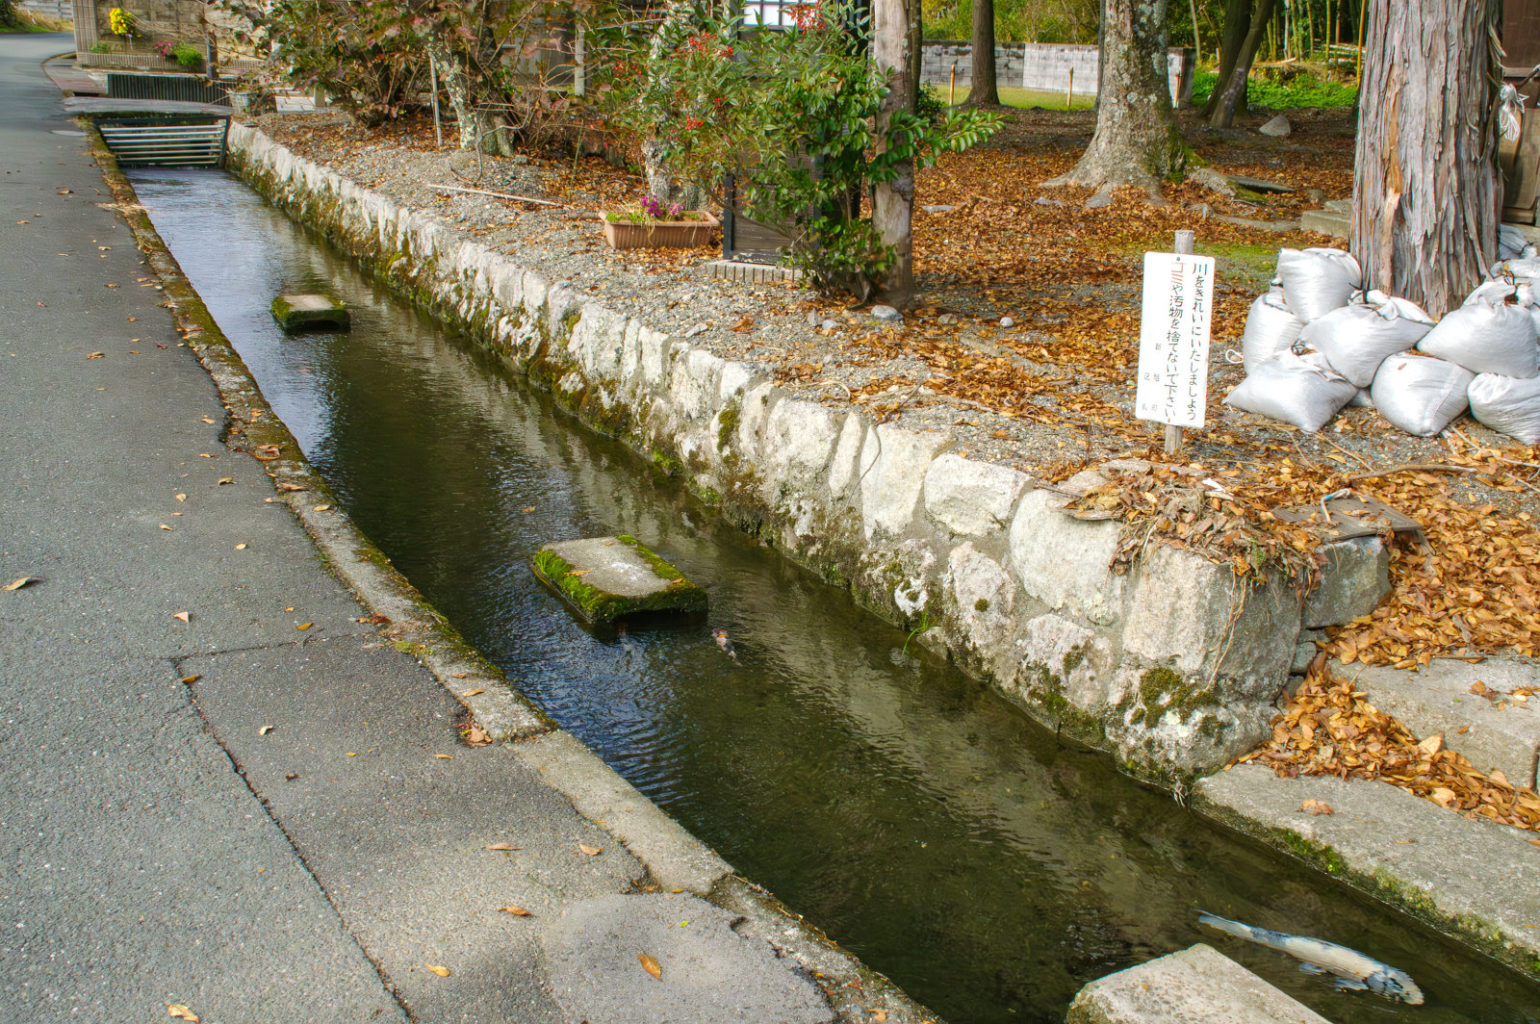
(1043, 67)
(1172, 666)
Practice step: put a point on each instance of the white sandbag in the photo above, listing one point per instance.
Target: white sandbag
(1522, 270)
(1494, 332)
(1509, 405)
(1317, 281)
(1362, 400)
(1271, 328)
(1511, 243)
(1302, 390)
(1420, 394)
(1356, 338)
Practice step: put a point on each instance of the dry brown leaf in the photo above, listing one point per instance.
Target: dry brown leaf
(17, 584)
(1432, 745)
(591, 851)
(183, 616)
(181, 1012)
(321, 508)
(442, 972)
(516, 911)
(97, 355)
(1317, 807)
(475, 736)
(651, 966)
(302, 626)
(501, 847)
(264, 730)
(189, 680)
(472, 693)
(181, 497)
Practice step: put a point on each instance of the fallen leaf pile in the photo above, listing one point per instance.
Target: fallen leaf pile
(1328, 728)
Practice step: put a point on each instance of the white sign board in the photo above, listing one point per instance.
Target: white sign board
(1173, 339)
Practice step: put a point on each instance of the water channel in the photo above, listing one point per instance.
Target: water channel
(924, 823)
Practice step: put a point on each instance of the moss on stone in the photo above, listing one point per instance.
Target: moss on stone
(981, 605)
(727, 422)
(599, 606)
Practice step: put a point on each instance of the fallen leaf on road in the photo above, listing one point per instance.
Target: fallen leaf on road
(472, 693)
(222, 481)
(879, 1015)
(445, 757)
(592, 851)
(181, 1012)
(304, 626)
(442, 972)
(291, 776)
(264, 730)
(515, 911)
(25, 581)
(1317, 807)
(163, 526)
(500, 847)
(94, 355)
(240, 547)
(189, 680)
(320, 508)
(1534, 842)
(290, 487)
(181, 497)
(475, 735)
(184, 616)
(1432, 744)
(205, 418)
(651, 966)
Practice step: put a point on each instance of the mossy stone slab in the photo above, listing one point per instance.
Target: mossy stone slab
(609, 578)
(299, 312)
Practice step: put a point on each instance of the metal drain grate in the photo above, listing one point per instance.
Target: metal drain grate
(167, 143)
(130, 85)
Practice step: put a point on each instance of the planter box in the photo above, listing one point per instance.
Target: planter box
(660, 234)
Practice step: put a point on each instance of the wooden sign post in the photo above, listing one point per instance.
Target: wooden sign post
(1173, 339)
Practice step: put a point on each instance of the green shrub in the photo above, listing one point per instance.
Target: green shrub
(188, 55)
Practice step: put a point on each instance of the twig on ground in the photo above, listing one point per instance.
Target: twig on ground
(495, 195)
(1415, 467)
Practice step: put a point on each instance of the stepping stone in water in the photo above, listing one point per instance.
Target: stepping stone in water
(298, 312)
(608, 578)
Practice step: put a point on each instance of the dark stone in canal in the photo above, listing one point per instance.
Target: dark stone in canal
(608, 578)
(300, 312)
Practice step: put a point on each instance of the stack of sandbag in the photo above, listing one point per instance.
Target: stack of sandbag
(1315, 343)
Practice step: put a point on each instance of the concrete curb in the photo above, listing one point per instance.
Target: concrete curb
(672, 856)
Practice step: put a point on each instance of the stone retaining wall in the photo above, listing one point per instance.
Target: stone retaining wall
(1173, 667)
(937, 58)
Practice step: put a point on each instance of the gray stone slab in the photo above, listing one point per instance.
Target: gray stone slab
(303, 312)
(397, 834)
(608, 578)
(1406, 850)
(1438, 699)
(1327, 222)
(1197, 985)
(708, 973)
(1354, 580)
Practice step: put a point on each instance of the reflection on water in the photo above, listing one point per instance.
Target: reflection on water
(928, 826)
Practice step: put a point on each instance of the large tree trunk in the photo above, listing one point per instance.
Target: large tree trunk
(1230, 92)
(983, 91)
(1426, 192)
(1237, 25)
(661, 184)
(1136, 141)
(893, 202)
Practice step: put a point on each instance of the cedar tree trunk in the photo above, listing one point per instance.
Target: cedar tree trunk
(1230, 93)
(1237, 25)
(893, 202)
(1426, 192)
(1136, 141)
(983, 90)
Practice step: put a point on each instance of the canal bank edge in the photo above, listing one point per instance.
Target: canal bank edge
(1173, 668)
(674, 859)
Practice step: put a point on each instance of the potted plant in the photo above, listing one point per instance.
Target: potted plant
(656, 226)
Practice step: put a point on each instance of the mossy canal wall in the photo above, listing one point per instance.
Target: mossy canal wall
(1172, 667)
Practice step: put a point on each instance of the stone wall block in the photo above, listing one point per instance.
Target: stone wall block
(981, 619)
(736, 377)
(695, 382)
(1354, 580)
(748, 438)
(893, 464)
(597, 342)
(631, 354)
(843, 470)
(1066, 562)
(1197, 617)
(562, 302)
(655, 357)
(970, 498)
(799, 437)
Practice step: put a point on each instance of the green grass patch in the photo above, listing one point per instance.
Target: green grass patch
(1023, 98)
(1281, 93)
(1250, 266)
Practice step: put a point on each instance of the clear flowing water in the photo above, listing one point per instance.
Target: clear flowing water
(924, 823)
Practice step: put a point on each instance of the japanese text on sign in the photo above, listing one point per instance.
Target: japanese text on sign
(1173, 339)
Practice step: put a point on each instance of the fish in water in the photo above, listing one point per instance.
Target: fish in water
(1353, 969)
(725, 642)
